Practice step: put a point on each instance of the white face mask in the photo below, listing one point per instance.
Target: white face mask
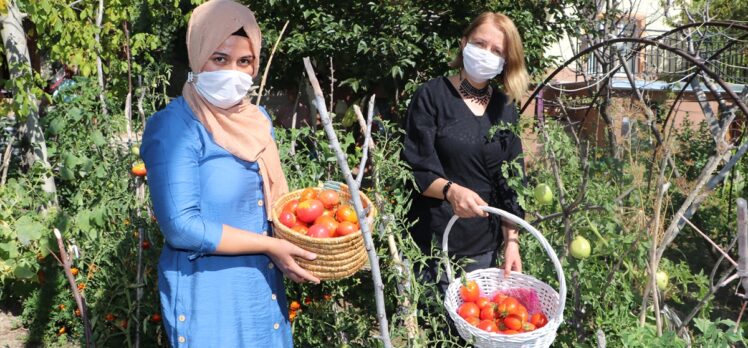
(481, 65)
(222, 88)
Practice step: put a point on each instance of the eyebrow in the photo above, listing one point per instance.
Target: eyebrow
(226, 55)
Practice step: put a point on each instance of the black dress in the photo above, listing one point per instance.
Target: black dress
(444, 139)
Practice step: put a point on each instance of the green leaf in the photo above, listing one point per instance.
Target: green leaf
(75, 114)
(44, 244)
(28, 229)
(23, 271)
(9, 250)
(98, 216)
(98, 138)
(83, 220)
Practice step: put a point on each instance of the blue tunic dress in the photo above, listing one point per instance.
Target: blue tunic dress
(196, 186)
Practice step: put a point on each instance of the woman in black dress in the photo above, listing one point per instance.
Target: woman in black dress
(455, 145)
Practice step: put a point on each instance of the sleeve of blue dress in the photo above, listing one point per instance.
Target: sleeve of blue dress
(170, 149)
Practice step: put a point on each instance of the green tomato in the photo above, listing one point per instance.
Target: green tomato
(580, 248)
(662, 280)
(543, 194)
(135, 150)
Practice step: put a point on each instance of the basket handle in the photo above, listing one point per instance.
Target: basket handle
(529, 228)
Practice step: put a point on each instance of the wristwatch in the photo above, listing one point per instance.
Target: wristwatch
(446, 188)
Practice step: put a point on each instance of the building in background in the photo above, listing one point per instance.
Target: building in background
(658, 74)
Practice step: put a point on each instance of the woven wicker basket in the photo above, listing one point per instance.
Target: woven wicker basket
(491, 280)
(338, 257)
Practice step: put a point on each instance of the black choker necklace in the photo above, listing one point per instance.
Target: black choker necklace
(478, 95)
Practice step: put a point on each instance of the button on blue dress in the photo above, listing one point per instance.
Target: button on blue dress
(196, 186)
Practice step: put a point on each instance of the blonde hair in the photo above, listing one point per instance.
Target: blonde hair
(514, 77)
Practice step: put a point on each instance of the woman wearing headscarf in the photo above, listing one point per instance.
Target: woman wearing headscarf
(213, 172)
(456, 142)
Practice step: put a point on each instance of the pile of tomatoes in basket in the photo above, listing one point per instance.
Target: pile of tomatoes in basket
(319, 214)
(500, 314)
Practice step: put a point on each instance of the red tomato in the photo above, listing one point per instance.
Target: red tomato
(300, 227)
(488, 325)
(330, 198)
(527, 327)
(489, 312)
(294, 305)
(468, 310)
(287, 218)
(291, 205)
(74, 271)
(156, 318)
(508, 306)
(539, 320)
(474, 321)
(146, 245)
(309, 210)
(138, 169)
(470, 292)
(521, 312)
(346, 213)
(482, 302)
(513, 322)
(329, 213)
(109, 317)
(328, 222)
(319, 231)
(345, 228)
(510, 332)
(307, 194)
(499, 298)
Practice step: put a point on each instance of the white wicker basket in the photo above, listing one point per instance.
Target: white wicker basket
(491, 280)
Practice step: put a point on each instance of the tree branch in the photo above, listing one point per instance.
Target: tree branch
(354, 190)
(367, 139)
(99, 65)
(79, 300)
(6, 161)
(270, 61)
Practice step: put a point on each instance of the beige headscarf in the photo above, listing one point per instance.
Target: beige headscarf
(243, 130)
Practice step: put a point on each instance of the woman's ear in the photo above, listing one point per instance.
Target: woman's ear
(463, 42)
